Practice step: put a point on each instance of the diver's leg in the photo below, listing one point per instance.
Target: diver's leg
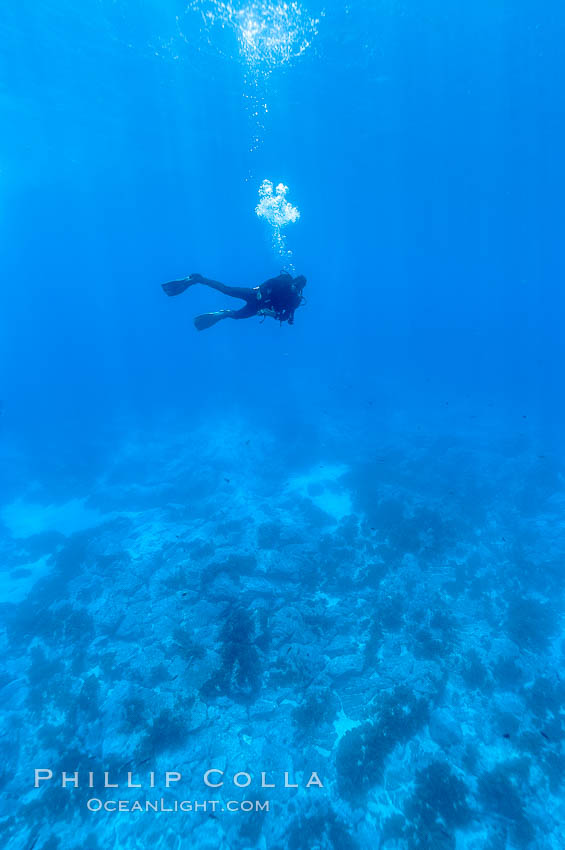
(201, 323)
(243, 292)
(176, 287)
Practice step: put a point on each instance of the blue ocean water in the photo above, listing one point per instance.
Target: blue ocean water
(332, 548)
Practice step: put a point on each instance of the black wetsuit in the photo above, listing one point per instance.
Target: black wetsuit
(276, 295)
(281, 297)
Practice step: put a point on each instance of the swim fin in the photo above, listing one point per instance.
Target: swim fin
(177, 287)
(209, 319)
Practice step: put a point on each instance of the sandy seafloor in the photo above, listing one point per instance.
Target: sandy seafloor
(387, 613)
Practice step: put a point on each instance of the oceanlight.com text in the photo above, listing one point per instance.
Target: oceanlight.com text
(97, 805)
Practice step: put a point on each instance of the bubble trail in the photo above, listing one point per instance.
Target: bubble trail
(278, 213)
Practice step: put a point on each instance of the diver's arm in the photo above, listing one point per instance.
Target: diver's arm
(288, 316)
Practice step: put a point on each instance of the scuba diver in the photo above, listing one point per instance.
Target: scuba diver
(278, 297)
